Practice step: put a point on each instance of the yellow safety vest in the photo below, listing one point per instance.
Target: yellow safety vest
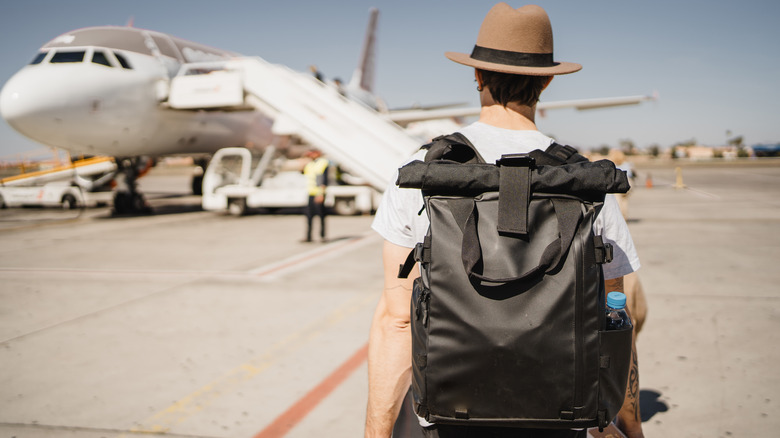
(315, 173)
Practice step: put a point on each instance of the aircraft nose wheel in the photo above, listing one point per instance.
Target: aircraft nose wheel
(130, 203)
(127, 199)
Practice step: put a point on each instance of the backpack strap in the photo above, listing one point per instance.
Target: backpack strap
(453, 147)
(514, 192)
(420, 253)
(566, 153)
(456, 147)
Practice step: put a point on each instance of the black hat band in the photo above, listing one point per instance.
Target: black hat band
(513, 58)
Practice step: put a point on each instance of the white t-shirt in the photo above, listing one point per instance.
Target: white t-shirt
(400, 219)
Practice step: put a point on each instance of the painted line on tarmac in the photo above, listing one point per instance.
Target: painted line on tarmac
(297, 412)
(702, 193)
(132, 272)
(165, 420)
(181, 410)
(306, 259)
(270, 271)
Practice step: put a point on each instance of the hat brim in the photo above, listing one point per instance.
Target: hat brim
(560, 68)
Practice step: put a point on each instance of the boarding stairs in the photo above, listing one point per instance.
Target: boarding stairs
(364, 142)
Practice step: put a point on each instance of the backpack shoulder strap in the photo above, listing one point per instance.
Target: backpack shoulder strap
(453, 147)
(566, 154)
(556, 155)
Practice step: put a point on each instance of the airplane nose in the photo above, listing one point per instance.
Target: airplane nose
(79, 107)
(52, 105)
(23, 103)
(9, 97)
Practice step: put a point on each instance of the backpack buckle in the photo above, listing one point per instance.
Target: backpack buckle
(604, 251)
(418, 252)
(608, 253)
(517, 160)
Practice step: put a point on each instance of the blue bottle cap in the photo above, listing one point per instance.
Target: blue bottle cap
(616, 300)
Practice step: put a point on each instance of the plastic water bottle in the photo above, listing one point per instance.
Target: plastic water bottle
(617, 318)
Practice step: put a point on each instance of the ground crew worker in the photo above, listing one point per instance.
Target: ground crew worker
(316, 173)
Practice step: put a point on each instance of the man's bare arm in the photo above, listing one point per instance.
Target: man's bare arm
(629, 420)
(390, 346)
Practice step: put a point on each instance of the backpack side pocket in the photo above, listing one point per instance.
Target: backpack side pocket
(614, 366)
(419, 308)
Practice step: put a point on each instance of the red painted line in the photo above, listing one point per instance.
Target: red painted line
(297, 412)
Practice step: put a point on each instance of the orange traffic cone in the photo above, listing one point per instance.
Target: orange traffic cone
(649, 181)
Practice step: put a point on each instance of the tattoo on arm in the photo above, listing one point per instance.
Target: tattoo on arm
(615, 284)
(398, 286)
(633, 386)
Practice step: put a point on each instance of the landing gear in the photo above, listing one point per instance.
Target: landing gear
(130, 203)
(197, 184)
(127, 198)
(197, 176)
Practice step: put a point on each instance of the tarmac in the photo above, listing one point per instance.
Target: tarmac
(187, 323)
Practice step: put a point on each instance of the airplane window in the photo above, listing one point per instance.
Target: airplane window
(100, 58)
(63, 57)
(38, 58)
(122, 61)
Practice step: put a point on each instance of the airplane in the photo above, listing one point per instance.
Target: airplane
(103, 91)
(137, 94)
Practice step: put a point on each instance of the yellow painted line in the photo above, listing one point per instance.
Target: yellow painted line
(181, 410)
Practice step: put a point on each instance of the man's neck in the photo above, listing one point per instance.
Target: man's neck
(513, 116)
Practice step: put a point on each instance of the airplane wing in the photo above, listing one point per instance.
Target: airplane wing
(586, 104)
(404, 117)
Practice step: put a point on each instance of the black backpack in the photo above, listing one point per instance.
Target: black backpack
(508, 316)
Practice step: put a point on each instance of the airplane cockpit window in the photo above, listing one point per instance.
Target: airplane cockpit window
(38, 58)
(123, 61)
(65, 57)
(100, 58)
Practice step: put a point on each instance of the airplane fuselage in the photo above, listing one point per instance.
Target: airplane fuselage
(103, 91)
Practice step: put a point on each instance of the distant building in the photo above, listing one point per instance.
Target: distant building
(700, 152)
(766, 150)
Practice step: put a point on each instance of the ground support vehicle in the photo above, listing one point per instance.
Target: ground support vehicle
(82, 183)
(237, 181)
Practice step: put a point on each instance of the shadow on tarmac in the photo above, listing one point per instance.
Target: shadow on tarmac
(156, 211)
(650, 404)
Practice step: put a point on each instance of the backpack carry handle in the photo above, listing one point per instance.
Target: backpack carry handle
(568, 214)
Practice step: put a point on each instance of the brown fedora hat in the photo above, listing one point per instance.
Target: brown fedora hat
(516, 41)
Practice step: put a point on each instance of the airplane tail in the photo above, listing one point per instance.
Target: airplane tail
(364, 74)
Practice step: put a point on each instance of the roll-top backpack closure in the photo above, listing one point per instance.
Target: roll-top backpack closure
(586, 180)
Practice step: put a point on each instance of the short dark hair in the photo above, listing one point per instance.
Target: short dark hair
(506, 88)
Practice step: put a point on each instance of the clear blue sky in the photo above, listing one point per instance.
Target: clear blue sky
(715, 64)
